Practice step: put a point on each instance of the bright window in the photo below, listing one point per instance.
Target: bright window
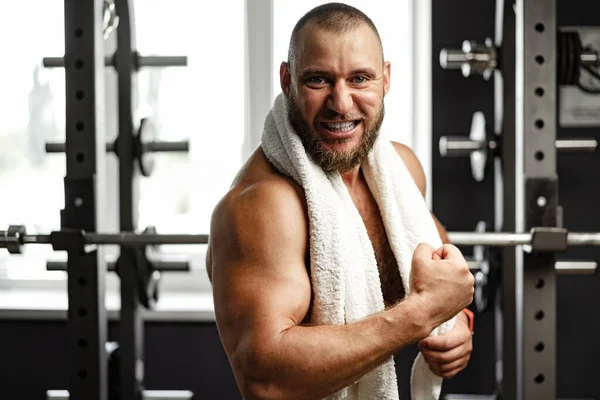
(203, 102)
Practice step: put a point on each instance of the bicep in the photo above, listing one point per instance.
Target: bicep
(260, 281)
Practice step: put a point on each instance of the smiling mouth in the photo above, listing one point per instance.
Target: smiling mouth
(338, 127)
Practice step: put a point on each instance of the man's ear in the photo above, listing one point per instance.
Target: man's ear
(285, 78)
(386, 77)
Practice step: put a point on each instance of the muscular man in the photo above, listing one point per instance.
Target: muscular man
(258, 258)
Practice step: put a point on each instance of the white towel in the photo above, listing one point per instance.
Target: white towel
(344, 274)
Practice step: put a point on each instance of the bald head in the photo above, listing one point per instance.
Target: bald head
(335, 18)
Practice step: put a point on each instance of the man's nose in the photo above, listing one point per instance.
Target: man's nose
(340, 99)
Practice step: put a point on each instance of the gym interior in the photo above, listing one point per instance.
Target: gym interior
(123, 122)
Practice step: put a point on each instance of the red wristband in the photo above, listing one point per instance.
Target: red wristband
(471, 318)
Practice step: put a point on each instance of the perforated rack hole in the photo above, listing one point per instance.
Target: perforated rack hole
(539, 315)
(539, 347)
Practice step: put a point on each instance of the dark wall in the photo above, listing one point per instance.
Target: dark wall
(179, 356)
(460, 202)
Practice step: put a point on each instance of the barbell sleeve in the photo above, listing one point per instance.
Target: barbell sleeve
(576, 267)
(161, 147)
(459, 146)
(576, 145)
(162, 61)
(452, 58)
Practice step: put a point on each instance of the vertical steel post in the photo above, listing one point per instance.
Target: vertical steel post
(84, 187)
(530, 197)
(131, 326)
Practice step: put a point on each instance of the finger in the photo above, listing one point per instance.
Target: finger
(447, 370)
(449, 251)
(423, 252)
(449, 374)
(445, 357)
(436, 256)
(446, 342)
(449, 367)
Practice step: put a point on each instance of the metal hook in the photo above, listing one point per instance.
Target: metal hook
(110, 18)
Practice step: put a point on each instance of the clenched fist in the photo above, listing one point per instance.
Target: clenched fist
(440, 281)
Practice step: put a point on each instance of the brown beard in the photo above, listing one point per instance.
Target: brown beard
(331, 160)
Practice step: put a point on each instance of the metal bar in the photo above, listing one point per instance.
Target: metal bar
(123, 238)
(56, 147)
(145, 240)
(59, 62)
(131, 327)
(158, 147)
(590, 58)
(563, 268)
(162, 61)
(459, 146)
(142, 61)
(462, 146)
(154, 147)
(576, 267)
(452, 58)
(491, 239)
(146, 395)
(576, 145)
(162, 266)
(536, 132)
(84, 183)
(505, 239)
(506, 312)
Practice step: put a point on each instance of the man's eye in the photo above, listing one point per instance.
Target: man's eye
(360, 79)
(316, 79)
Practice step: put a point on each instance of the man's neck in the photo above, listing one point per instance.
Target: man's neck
(352, 178)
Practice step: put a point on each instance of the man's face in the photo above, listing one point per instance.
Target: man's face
(335, 95)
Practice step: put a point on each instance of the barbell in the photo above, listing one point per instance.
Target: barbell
(540, 239)
(15, 237)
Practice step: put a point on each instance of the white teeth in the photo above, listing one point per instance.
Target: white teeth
(340, 126)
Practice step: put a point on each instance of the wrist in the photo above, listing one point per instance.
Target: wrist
(418, 316)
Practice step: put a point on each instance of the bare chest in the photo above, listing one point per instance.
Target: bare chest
(389, 275)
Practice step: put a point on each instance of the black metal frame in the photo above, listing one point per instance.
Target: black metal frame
(527, 112)
(131, 326)
(97, 372)
(87, 322)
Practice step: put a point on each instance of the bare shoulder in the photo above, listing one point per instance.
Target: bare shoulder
(413, 164)
(263, 208)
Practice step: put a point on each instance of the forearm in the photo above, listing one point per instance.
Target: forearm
(317, 361)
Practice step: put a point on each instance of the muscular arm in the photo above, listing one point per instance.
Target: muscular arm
(262, 293)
